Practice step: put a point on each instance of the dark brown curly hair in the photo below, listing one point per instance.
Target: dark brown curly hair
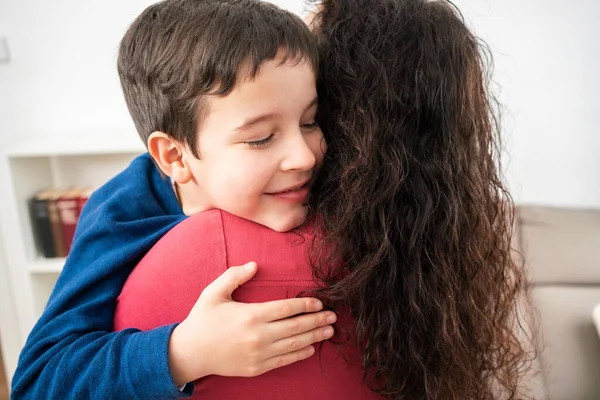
(411, 196)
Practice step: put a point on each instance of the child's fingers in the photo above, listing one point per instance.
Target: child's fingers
(222, 287)
(289, 327)
(286, 359)
(280, 309)
(301, 341)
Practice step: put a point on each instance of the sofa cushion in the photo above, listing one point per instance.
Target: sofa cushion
(568, 344)
(561, 246)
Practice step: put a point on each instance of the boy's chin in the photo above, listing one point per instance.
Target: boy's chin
(287, 223)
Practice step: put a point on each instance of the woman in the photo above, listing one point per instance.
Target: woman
(411, 237)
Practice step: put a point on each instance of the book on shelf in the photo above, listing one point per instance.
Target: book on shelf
(56, 228)
(41, 222)
(55, 213)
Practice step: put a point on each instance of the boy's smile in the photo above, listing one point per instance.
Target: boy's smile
(295, 194)
(259, 147)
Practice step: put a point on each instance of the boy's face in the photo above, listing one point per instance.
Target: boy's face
(260, 148)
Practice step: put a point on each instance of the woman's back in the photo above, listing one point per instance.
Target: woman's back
(166, 284)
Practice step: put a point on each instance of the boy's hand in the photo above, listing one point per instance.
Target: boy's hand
(227, 338)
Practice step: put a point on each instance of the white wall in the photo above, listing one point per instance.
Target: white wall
(547, 56)
(62, 77)
(10, 335)
(62, 81)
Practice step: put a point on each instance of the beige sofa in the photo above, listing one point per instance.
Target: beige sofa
(562, 249)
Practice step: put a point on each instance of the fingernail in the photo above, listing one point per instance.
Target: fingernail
(317, 305)
(328, 332)
(249, 266)
(331, 319)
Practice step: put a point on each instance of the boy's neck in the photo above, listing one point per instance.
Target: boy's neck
(187, 206)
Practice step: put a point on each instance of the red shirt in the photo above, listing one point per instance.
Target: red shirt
(166, 284)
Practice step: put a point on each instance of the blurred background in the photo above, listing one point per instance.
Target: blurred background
(63, 122)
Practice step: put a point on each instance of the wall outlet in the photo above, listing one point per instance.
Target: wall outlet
(4, 53)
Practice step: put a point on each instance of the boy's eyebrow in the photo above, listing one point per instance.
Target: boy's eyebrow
(254, 120)
(259, 118)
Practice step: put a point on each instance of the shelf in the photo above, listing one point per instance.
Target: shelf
(46, 266)
(27, 167)
(127, 143)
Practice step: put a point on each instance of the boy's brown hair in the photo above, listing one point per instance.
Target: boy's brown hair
(178, 51)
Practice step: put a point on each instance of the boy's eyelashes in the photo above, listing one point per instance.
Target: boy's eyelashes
(312, 125)
(261, 143)
(258, 144)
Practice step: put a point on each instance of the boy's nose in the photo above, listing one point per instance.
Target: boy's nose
(299, 156)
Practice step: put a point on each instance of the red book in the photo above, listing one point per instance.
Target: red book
(68, 211)
(58, 237)
(84, 195)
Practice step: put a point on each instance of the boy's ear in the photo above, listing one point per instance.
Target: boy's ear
(169, 155)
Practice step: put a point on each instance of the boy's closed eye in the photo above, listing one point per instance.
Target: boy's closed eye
(261, 143)
(264, 142)
(310, 126)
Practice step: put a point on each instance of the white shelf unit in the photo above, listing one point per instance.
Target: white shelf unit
(26, 168)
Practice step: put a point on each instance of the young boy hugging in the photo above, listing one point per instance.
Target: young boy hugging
(223, 94)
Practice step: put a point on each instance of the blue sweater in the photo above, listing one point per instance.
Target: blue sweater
(72, 352)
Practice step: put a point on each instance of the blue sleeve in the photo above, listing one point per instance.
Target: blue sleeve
(72, 352)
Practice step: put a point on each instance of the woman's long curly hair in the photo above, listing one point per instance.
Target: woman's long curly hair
(412, 199)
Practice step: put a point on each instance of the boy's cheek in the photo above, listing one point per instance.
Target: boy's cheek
(319, 148)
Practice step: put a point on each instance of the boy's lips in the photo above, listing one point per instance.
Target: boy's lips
(294, 194)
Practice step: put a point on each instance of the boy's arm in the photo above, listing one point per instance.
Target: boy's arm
(72, 352)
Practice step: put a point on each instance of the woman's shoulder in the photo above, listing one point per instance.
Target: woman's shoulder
(283, 263)
(203, 246)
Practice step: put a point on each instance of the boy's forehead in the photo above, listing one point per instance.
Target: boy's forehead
(276, 90)
(275, 75)
(260, 114)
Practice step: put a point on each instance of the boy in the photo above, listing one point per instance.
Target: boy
(223, 93)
